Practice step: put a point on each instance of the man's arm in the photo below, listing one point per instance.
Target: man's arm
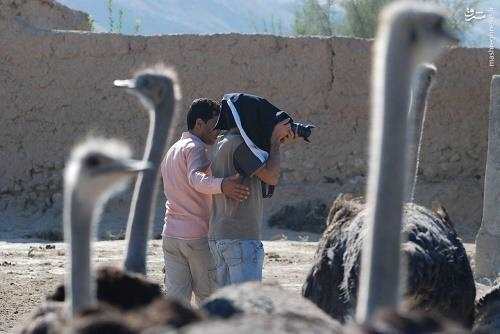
(270, 172)
(200, 178)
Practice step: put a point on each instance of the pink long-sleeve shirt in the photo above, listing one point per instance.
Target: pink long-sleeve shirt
(188, 186)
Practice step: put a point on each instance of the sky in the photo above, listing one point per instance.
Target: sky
(156, 17)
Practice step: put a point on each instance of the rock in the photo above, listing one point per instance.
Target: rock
(305, 216)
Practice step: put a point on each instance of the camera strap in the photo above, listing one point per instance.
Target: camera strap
(267, 190)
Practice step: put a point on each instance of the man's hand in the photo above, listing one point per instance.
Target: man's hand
(232, 188)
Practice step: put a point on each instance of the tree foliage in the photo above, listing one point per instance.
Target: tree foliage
(118, 25)
(359, 17)
(312, 18)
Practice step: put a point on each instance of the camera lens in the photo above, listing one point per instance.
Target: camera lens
(302, 130)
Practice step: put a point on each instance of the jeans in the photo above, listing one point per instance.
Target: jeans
(237, 261)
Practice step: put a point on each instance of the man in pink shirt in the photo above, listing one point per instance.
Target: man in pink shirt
(189, 186)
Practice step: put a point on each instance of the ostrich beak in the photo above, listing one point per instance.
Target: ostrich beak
(135, 166)
(130, 83)
(127, 166)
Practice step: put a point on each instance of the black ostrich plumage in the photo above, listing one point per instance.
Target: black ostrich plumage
(120, 289)
(487, 313)
(128, 303)
(440, 279)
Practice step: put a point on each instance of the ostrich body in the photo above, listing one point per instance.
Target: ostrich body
(96, 169)
(439, 275)
(487, 316)
(488, 237)
(111, 283)
(416, 119)
(158, 90)
(254, 307)
(390, 322)
(267, 308)
(257, 298)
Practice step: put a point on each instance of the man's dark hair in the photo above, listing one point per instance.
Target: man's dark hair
(204, 109)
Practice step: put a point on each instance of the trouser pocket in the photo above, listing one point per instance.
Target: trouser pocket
(232, 251)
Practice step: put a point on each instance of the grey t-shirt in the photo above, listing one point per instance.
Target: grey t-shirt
(231, 219)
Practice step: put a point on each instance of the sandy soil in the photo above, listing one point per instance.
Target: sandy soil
(29, 270)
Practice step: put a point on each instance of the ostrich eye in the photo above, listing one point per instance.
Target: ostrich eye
(145, 83)
(413, 35)
(92, 161)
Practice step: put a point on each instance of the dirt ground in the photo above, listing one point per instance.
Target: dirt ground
(29, 270)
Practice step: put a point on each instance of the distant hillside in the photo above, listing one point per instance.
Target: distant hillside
(192, 16)
(154, 17)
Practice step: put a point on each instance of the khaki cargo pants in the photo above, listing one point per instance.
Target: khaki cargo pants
(189, 268)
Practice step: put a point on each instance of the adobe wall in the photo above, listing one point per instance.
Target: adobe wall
(56, 88)
(43, 14)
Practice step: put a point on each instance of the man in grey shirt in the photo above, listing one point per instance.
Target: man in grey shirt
(234, 230)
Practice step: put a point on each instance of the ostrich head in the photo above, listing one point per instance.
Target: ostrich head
(100, 167)
(426, 73)
(153, 85)
(423, 28)
(95, 170)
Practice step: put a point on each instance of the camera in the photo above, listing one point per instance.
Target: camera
(299, 129)
(302, 130)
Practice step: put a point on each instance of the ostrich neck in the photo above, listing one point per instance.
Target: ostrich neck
(146, 188)
(79, 217)
(416, 119)
(379, 279)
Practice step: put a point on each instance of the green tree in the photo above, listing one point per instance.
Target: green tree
(119, 26)
(110, 16)
(91, 22)
(312, 18)
(137, 26)
(456, 10)
(273, 26)
(361, 16)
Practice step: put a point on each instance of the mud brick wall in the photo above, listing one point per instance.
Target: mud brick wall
(56, 88)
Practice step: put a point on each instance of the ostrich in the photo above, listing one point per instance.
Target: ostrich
(254, 307)
(439, 276)
(158, 90)
(487, 316)
(390, 322)
(263, 298)
(416, 118)
(96, 170)
(488, 237)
